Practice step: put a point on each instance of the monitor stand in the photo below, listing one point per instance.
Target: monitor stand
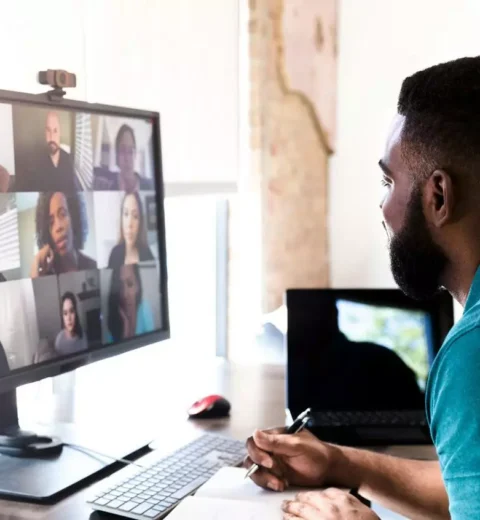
(18, 443)
(40, 469)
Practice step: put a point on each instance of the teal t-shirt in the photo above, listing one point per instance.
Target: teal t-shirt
(453, 409)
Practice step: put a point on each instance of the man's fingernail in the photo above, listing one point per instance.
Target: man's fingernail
(268, 463)
(273, 486)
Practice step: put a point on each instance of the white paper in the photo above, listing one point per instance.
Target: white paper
(230, 483)
(219, 509)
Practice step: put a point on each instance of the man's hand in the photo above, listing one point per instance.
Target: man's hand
(299, 459)
(331, 504)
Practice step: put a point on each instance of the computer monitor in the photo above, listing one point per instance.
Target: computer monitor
(362, 349)
(82, 242)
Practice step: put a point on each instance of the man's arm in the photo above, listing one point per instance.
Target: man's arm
(413, 488)
(410, 487)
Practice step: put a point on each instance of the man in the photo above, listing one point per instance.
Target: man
(52, 169)
(431, 210)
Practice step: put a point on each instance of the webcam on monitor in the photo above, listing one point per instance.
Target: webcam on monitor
(57, 78)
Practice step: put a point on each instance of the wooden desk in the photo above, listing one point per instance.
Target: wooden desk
(142, 402)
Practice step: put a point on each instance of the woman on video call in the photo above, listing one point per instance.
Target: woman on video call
(132, 247)
(71, 338)
(128, 313)
(127, 179)
(61, 229)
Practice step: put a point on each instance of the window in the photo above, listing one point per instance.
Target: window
(195, 272)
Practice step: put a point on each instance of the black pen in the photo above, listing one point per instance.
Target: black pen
(297, 426)
(354, 492)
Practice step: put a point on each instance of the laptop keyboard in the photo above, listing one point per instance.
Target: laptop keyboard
(153, 490)
(364, 418)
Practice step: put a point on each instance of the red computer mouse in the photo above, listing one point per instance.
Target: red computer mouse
(210, 407)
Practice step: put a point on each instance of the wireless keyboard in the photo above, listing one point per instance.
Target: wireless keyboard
(153, 490)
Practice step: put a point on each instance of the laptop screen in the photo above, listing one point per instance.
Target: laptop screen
(353, 350)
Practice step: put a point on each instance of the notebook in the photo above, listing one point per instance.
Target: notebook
(228, 495)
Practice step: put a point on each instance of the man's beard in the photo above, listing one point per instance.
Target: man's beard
(52, 147)
(416, 261)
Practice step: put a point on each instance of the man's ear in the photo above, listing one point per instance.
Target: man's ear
(439, 198)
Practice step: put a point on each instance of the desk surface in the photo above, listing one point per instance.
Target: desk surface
(256, 394)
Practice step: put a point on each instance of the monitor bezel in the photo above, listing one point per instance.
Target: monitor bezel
(55, 367)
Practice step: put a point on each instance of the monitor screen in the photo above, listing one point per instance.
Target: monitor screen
(81, 232)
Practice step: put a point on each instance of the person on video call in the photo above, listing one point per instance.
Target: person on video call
(52, 169)
(431, 213)
(71, 338)
(127, 179)
(128, 313)
(61, 229)
(132, 247)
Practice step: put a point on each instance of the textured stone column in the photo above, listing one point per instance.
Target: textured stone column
(293, 86)
(278, 221)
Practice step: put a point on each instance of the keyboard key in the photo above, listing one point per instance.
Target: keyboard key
(139, 510)
(151, 513)
(114, 504)
(128, 506)
(183, 492)
(101, 501)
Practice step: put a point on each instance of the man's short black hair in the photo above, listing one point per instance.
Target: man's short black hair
(78, 219)
(441, 106)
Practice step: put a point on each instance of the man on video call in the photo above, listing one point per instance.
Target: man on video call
(56, 165)
(431, 212)
(52, 168)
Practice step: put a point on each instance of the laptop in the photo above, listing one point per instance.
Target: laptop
(359, 358)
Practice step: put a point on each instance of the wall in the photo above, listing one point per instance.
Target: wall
(380, 43)
(179, 58)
